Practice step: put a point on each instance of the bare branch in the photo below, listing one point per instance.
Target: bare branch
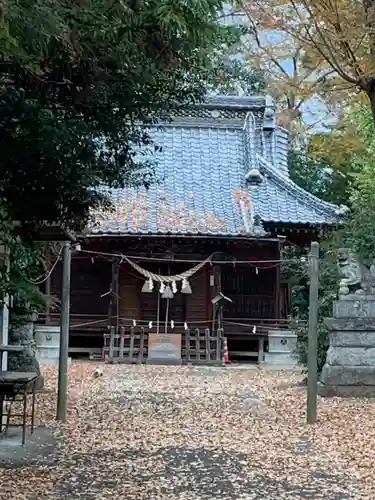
(329, 57)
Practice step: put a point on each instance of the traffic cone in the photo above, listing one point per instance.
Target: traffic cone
(227, 361)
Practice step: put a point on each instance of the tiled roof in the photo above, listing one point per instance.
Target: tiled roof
(278, 199)
(203, 183)
(202, 188)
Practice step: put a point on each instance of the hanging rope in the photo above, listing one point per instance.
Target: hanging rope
(167, 279)
(41, 280)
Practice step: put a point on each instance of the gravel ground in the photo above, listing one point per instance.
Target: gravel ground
(197, 433)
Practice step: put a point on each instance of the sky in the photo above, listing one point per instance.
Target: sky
(314, 109)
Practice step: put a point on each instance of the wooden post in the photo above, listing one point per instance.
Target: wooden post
(47, 290)
(166, 317)
(187, 345)
(4, 329)
(277, 312)
(197, 344)
(141, 345)
(312, 389)
(117, 292)
(158, 312)
(114, 301)
(111, 343)
(4, 323)
(208, 344)
(62, 394)
(217, 310)
(260, 349)
(158, 307)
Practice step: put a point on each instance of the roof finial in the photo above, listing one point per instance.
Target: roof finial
(254, 177)
(269, 119)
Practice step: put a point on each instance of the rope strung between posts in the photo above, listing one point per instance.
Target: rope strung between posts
(209, 260)
(140, 322)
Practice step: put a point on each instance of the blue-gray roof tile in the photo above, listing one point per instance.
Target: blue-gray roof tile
(201, 171)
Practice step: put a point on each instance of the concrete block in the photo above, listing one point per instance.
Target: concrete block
(358, 308)
(47, 339)
(347, 375)
(351, 339)
(280, 359)
(346, 391)
(282, 341)
(349, 356)
(351, 324)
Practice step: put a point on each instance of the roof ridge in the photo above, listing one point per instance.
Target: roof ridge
(301, 193)
(234, 101)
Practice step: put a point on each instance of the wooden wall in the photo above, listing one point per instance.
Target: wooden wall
(254, 291)
(130, 293)
(89, 281)
(198, 303)
(143, 306)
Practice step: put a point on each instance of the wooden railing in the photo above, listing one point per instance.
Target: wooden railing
(130, 345)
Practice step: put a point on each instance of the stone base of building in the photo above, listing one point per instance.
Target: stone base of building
(347, 381)
(346, 391)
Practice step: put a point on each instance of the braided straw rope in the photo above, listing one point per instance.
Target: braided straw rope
(168, 279)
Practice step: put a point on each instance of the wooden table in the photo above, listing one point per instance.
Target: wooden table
(15, 385)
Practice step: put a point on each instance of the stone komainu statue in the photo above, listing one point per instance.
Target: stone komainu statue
(355, 277)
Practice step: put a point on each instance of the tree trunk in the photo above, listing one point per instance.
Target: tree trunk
(371, 95)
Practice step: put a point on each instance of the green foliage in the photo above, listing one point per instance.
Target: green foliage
(78, 81)
(325, 181)
(357, 190)
(360, 229)
(318, 177)
(20, 280)
(297, 272)
(232, 77)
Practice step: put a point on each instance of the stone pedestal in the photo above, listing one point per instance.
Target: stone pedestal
(47, 340)
(27, 360)
(350, 365)
(281, 347)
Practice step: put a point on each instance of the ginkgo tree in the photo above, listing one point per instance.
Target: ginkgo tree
(333, 39)
(289, 80)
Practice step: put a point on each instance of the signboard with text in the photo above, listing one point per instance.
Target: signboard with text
(164, 348)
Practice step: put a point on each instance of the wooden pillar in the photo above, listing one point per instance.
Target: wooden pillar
(277, 312)
(47, 290)
(217, 310)
(114, 302)
(4, 314)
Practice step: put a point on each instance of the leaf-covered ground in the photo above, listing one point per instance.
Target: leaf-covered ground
(197, 433)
